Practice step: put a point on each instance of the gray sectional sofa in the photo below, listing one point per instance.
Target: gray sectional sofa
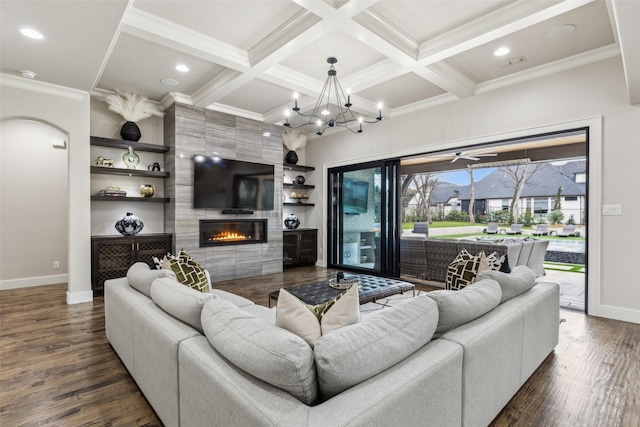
(429, 259)
(444, 358)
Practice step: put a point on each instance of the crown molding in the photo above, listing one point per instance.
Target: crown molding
(175, 97)
(236, 112)
(41, 87)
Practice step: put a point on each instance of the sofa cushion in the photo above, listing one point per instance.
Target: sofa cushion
(236, 300)
(261, 349)
(189, 272)
(179, 301)
(140, 276)
(349, 355)
(464, 268)
(310, 322)
(456, 308)
(520, 280)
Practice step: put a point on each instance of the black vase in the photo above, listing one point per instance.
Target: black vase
(292, 158)
(130, 132)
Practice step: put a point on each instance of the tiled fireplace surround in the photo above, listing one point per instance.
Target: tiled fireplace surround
(190, 130)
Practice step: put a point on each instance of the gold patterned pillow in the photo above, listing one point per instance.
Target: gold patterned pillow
(464, 269)
(189, 272)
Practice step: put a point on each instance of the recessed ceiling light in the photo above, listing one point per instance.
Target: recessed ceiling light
(169, 82)
(502, 51)
(182, 68)
(28, 74)
(266, 134)
(560, 31)
(31, 33)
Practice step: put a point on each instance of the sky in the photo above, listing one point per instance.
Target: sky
(461, 177)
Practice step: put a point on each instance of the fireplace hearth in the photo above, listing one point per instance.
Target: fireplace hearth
(223, 232)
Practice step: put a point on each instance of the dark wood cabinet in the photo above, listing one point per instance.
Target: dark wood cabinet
(300, 246)
(111, 256)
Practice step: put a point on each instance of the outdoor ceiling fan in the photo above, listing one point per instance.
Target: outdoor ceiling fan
(467, 156)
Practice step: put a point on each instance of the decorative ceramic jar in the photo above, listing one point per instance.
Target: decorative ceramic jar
(292, 222)
(299, 180)
(129, 225)
(131, 159)
(130, 131)
(292, 157)
(147, 190)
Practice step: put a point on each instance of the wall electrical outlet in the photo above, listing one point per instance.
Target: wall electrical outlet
(56, 264)
(611, 210)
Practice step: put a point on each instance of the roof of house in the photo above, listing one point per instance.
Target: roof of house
(499, 185)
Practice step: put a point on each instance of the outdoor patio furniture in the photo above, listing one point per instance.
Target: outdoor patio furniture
(492, 228)
(421, 228)
(568, 231)
(515, 229)
(541, 230)
(536, 257)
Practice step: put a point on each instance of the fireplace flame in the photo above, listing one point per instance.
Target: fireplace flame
(229, 236)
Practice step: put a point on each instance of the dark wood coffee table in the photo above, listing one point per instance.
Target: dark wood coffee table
(371, 289)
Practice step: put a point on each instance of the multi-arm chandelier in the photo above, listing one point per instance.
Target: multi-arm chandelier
(320, 116)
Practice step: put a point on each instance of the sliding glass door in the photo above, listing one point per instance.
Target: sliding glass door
(362, 223)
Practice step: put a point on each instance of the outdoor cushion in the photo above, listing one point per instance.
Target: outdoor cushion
(349, 355)
(520, 280)
(261, 349)
(140, 276)
(456, 308)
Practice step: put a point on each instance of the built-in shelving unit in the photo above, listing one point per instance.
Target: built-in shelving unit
(130, 199)
(121, 143)
(139, 146)
(289, 186)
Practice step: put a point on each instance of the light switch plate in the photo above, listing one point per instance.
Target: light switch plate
(611, 210)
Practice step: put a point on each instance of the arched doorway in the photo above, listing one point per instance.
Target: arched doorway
(35, 204)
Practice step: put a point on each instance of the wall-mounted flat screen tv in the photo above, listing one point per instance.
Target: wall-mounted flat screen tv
(355, 196)
(232, 184)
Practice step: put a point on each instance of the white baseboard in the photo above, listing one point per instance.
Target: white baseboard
(79, 297)
(33, 281)
(617, 313)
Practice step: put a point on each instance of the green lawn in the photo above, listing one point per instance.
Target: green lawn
(440, 224)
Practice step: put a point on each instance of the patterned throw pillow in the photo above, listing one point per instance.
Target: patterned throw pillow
(188, 271)
(464, 269)
(310, 322)
(495, 261)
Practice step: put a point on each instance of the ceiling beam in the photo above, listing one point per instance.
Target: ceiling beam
(627, 15)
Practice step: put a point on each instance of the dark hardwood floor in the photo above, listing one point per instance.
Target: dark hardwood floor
(57, 368)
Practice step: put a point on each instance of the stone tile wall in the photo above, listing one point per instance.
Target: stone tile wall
(191, 131)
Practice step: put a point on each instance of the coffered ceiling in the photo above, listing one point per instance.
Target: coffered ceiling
(249, 57)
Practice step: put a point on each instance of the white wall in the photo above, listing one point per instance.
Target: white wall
(593, 95)
(35, 204)
(68, 111)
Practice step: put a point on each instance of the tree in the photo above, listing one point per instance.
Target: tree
(423, 184)
(557, 205)
(472, 197)
(519, 176)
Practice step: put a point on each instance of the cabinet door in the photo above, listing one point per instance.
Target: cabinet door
(307, 247)
(153, 246)
(111, 260)
(290, 248)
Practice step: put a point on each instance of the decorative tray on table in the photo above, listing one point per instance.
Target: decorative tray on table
(343, 283)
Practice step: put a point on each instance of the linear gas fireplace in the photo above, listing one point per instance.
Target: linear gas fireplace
(223, 232)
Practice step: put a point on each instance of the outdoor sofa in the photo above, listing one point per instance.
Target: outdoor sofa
(429, 259)
(445, 358)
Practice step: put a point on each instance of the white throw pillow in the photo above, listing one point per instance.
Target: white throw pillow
(311, 322)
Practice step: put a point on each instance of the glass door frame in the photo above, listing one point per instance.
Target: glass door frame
(390, 214)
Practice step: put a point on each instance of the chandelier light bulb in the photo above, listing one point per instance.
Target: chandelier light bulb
(295, 98)
(325, 112)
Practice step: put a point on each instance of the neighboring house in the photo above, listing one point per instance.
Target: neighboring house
(495, 192)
